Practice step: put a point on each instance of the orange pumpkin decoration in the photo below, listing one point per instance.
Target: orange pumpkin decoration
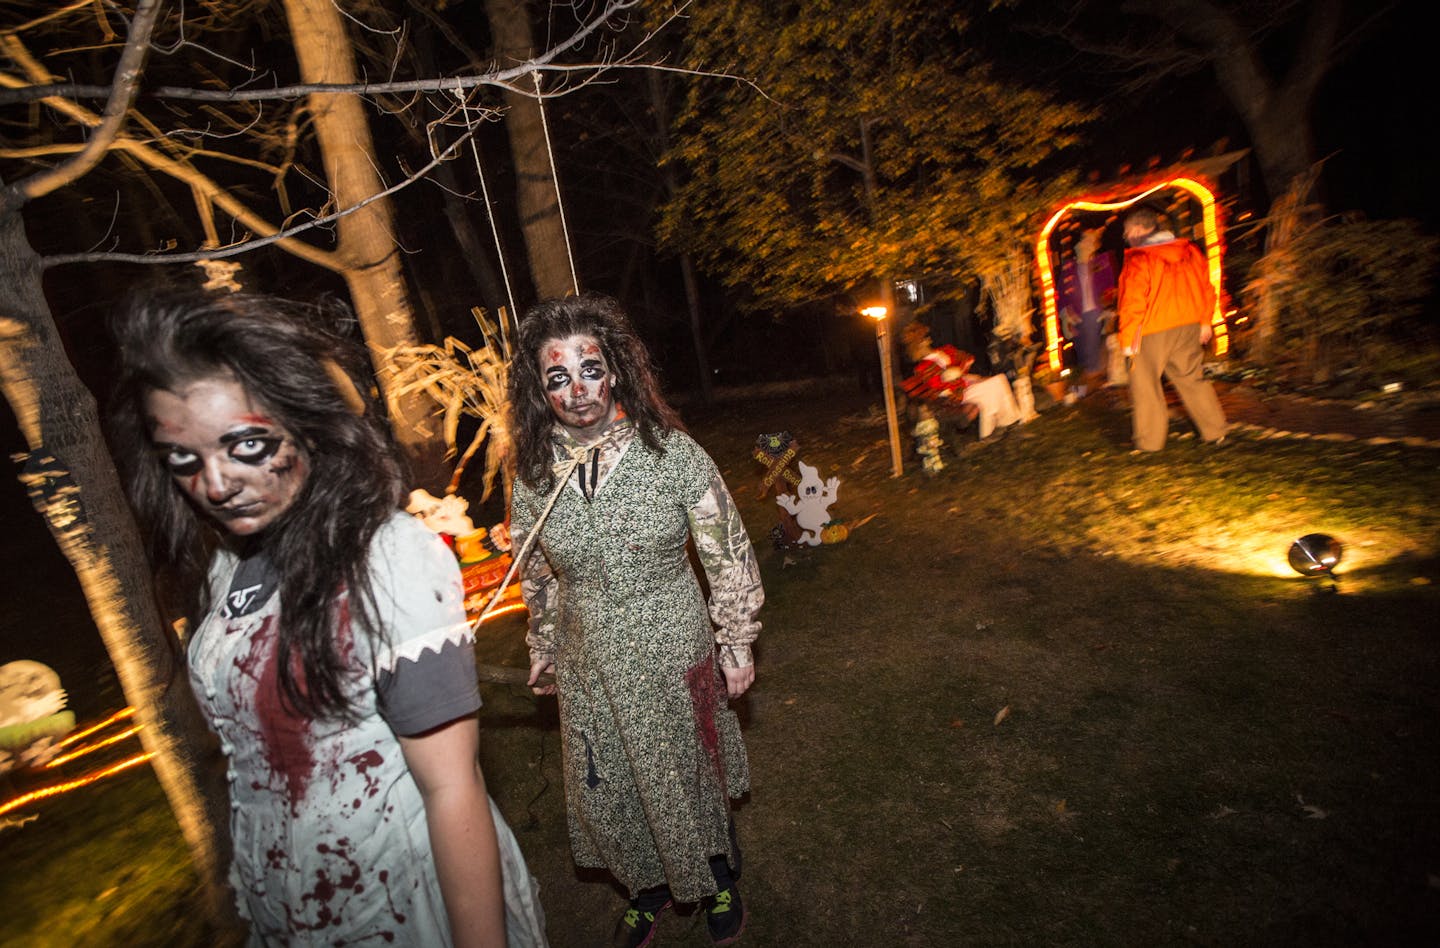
(834, 532)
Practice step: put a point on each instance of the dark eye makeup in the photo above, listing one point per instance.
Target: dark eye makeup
(244, 447)
(255, 450)
(181, 463)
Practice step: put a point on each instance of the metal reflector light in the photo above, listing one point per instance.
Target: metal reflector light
(1315, 554)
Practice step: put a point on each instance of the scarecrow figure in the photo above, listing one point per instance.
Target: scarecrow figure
(776, 453)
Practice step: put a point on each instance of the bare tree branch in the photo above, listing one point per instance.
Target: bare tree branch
(513, 79)
(181, 170)
(41, 20)
(285, 236)
(498, 77)
(210, 196)
(122, 95)
(1316, 53)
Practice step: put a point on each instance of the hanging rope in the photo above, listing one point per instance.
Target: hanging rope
(555, 177)
(577, 454)
(489, 215)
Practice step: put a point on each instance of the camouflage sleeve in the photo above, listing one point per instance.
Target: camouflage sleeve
(729, 560)
(538, 585)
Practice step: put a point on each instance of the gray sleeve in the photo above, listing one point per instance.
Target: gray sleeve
(430, 690)
(425, 667)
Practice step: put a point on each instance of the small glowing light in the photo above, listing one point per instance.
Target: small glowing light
(72, 738)
(67, 786)
(117, 716)
(876, 313)
(1315, 554)
(1390, 388)
(505, 610)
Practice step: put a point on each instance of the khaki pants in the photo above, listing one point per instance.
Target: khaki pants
(1178, 354)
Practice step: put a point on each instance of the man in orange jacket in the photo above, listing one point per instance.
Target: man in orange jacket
(1165, 304)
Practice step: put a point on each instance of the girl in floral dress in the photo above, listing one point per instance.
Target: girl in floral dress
(643, 665)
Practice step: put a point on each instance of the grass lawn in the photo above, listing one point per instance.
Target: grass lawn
(1055, 695)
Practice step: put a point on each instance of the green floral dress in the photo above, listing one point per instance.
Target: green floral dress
(652, 752)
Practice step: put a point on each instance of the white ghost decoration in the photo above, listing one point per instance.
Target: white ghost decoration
(810, 504)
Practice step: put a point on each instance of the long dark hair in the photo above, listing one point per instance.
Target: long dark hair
(291, 359)
(636, 387)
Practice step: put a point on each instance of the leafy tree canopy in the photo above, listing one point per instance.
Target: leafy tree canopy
(876, 141)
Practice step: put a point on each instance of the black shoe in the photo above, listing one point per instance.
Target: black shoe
(725, 916)
(636, 927)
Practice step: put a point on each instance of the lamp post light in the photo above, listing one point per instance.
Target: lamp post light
(882, 341)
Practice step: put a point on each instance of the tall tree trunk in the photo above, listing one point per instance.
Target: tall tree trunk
(661, 111)
(474, 249)
(697, 328)
(1276, 113)
(366, 238)
(73, 483)
(536, 197)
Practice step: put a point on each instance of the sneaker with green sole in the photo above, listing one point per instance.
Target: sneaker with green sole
(725, 916)
(636, 927)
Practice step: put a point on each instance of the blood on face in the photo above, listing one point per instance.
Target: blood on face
(236, 464)
(579, 385)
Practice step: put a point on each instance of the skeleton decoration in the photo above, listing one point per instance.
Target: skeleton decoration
(32, 714)
(445, 515)
(483, 554)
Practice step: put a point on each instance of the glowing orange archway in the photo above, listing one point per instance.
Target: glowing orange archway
(1213, 253)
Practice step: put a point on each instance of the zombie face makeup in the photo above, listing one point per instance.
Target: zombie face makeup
(226, 454)
(579, 385)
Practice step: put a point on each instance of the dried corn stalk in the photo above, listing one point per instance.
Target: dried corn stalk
(1009, 291)
(1291, 217)
(463, 381)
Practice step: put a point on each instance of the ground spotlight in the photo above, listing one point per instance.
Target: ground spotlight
(1315, 554)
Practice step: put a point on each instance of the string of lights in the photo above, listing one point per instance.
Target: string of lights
(82, 750)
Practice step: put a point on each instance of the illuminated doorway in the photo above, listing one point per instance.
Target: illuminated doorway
(1208, 234)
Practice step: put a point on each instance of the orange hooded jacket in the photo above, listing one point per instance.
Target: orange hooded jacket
(1163, 285)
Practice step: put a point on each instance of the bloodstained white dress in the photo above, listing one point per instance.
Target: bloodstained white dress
(331, 843)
